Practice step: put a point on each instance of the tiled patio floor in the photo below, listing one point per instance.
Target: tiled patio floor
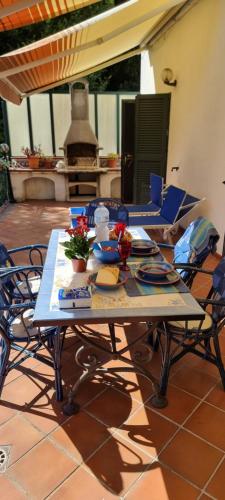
(117, 446)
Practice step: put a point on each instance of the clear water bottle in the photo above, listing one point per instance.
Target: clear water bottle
(101, 219)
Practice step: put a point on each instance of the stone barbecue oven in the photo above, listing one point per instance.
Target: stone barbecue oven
(81, 145)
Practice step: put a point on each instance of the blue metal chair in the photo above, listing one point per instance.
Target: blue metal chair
(196, 337)
(34, 254)
(18, 335)
(168, 214)
(117, 211)
(156, 197)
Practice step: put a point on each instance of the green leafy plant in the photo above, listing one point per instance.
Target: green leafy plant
(113, 156)
(79, 245)
(36, 151)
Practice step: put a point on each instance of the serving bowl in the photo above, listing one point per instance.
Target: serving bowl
(106, 251)
(155, 270)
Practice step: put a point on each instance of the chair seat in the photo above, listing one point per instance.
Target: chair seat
(193, 325)
(150, 207)
(148, 220)
(34, 284)
(19, 324)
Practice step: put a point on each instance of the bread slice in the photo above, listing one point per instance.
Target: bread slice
(108, 275)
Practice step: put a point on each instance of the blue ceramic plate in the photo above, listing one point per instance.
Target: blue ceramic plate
(103, 286)
(140, 246)
(169, 279)
(155, 270)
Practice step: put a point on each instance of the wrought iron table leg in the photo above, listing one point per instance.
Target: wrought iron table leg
(159, 400)
(94, 366)
(56, 341)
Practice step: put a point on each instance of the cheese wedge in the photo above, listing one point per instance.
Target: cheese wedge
(108, 275)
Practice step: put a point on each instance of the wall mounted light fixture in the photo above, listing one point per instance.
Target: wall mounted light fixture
(168, 77)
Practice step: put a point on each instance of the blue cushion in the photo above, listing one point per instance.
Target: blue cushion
(156, 183)
(150, 207)
(172, 203)
(148, 220)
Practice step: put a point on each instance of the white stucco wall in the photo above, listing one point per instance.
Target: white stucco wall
(194, 49)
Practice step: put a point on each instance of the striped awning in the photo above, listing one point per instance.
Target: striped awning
(17, 13)
(106, 39)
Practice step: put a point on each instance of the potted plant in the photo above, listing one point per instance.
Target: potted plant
(46, 162)
(112, 160)
(78, 248)
(33, 155)
(4, 158)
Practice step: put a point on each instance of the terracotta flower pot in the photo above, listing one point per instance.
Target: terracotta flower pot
(79, 265)
(112, 162)
(33, 162)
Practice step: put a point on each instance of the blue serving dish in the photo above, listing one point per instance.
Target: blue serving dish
(155, 271)
(107, 256)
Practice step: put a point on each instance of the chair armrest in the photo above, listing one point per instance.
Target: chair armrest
(15, 307)
(27, 247)
(6, 272)
(192, 268)
(165, 245)
(32, 251)
(212, 302)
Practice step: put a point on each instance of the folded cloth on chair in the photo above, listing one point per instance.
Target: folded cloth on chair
(195, 240)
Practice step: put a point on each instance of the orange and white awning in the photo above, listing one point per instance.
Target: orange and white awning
(17, 13)
(87, 47)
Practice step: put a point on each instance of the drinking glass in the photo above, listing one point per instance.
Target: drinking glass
(124, 248)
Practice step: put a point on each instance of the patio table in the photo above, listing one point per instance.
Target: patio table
(107, 308)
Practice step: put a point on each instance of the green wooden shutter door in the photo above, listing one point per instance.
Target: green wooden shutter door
(151, 139)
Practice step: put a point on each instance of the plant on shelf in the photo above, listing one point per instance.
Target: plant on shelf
(4, 156)
(33, 155)
(112, 160)
(78, 248)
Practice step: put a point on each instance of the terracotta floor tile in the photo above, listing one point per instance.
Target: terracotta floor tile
(217, 397)
(209, 423)
(191, 457)
(112, 408)
(20, 435)
(148, 430)
(131, 384)
(194, 380)
(180, 404)
(202, 365)
(81, 435)
(9, 491)
(118, 464)
(81, 485)
(23, 391)
(159, 483)
(46, 413)
(42, 469)
(216, 485)
(89, 390)
(6, 412)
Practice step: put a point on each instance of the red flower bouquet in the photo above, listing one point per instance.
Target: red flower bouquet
(79, 245)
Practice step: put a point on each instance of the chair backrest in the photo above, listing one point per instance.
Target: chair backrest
(172, 203)
(197, 242)
(156, 187)
(117, 211)
(5, 259)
